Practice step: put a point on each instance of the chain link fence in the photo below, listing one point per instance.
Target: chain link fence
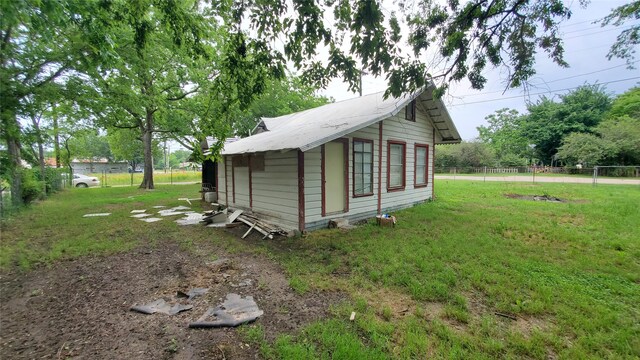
(525, 172)
(169, 176)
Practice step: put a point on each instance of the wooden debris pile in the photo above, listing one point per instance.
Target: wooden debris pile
(220, 218)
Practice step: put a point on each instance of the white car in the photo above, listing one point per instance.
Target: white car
(84, 181)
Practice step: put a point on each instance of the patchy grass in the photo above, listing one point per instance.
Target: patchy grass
(568, 272)
(430, 288)
(55, 229)
(159, 177)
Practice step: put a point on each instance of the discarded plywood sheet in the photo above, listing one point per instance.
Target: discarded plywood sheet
(190, 219)
(150, 220)
(217, 218)
(96, 214)
(179, 208)
(170, 212)
(234, 311)
(138, 211)
(234, 216)
(161, 306)
(141, 215)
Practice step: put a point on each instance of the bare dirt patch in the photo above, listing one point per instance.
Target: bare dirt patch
(80, 308)
(545, 197)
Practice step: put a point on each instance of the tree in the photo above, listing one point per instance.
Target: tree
(583, 148)
(465, 154)
(622, 136)
(627, 104)
(629, 38)
(280, 97)
(548, 122)
(125, 145)
(38, 45)
(504, 136)
(151, 74)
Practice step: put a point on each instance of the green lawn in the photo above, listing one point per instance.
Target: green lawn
(429, 288)
(569, 272)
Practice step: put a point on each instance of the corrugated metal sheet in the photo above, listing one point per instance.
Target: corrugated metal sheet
(310, 128)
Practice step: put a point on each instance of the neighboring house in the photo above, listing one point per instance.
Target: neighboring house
(350, 159)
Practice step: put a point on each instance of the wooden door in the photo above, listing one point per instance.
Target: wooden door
(335, 177)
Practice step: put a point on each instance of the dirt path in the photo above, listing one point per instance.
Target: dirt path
(80, 308)
(541, 179)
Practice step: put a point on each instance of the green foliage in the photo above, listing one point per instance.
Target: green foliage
(465, 154)
(32, 188)
(548, 122)
(90, 145)
(629, 38)
(627, 104)
(504, 136)
(622, 135)
(582, 148)
(617, 139)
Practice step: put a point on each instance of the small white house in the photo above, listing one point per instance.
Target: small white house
(350, 159)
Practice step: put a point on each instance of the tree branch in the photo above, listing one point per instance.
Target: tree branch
(182, 96)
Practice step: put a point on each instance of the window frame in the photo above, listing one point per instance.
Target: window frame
(410, 111)
(404, 165)
(415, 165)
(353, 167)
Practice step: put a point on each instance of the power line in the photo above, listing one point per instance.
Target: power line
(553, 81)
(600, 32)
(581, 22)
(593, 72)
(540, 93)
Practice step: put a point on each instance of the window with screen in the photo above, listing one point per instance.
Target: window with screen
(396, 165)
(362, 167)
(421, 163)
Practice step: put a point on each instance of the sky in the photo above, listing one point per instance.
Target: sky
(586, 46)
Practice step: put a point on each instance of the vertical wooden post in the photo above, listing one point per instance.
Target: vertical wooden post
(301, 205)
(380, 167)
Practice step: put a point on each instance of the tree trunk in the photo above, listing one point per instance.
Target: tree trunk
(56, 139)
(43, 177)
(147, 137)
(15, 171)
(12, 137)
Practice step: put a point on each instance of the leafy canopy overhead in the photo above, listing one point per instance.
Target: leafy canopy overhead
(361, 36)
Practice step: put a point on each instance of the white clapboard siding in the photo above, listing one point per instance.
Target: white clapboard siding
(275, 190)
(241, 178)
(222, 182)
(394, 128)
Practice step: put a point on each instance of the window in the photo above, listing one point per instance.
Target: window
(421, 163)
(396, 165)
(362, 167)
(410, 111)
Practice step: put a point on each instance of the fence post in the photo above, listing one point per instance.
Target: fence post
(595, 176)
(171, 175)
(534, 174)
(485, 174)
(132, 177)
